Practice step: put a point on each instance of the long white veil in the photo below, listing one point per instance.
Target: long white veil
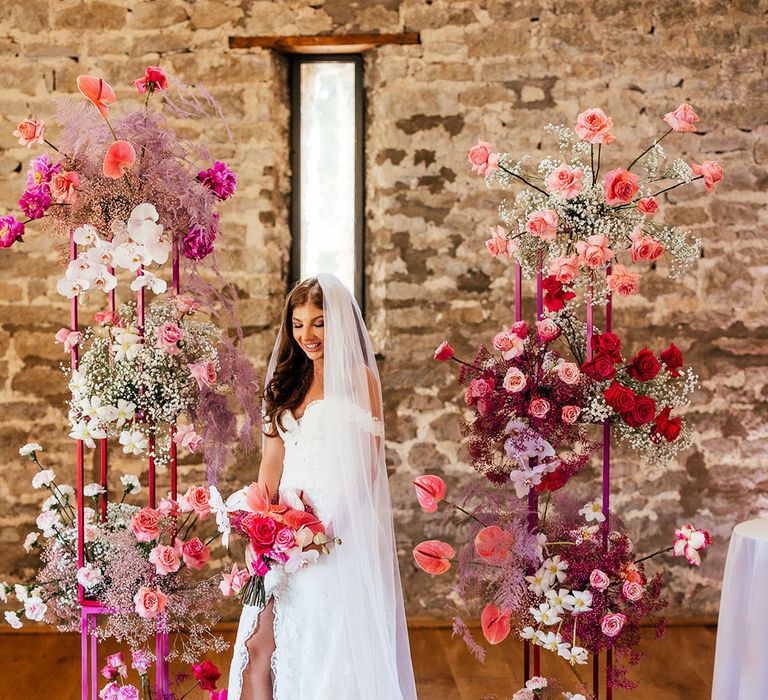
(368, 624)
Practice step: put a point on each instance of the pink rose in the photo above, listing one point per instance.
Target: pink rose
(547, 330)
(284, 540)
(480, 388)
(514, 380)
(168, 337)
(444, 352)
(168, 508)
(30, 131)
(632, 590)
(620, 186)
(187, 437)
(185, 304)
(69, 337)
(110, 691)
(195, 553)
(153, 79)
(565, 181)
(647, 206)
(622, 281)
(509, 344)
(149, 603)
(599, 580)
(644, 248)
(565, 268)
(146, 525)
(498, 244)
(520, 329)
(197, 499)
(711, 171)
(595, 251)
(682, 119)
(115, 666)
(594, 126)
(64, 185)
(165, 559)
(542, 224)
(482, 158)
(232, 583)
(569, 372)
(570, 414)
(107, 318)
(539, 407)
(204, 372)
(612, 623)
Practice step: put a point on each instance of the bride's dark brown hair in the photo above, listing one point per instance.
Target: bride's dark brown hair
(293, 369)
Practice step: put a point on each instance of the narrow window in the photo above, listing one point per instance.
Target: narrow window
(327, 156)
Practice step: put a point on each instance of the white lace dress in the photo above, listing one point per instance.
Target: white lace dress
(304, 599)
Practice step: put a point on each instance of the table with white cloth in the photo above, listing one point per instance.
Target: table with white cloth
(741, 656)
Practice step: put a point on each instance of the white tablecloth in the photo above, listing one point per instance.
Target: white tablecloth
(741, 656)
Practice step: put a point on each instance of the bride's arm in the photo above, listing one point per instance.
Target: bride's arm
(271, 467)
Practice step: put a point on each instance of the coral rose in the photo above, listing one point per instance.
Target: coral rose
(482, 158)
(682, 119)
(644, 248)
(514, 380)
(711, 171)
(195, 553)
(570, 414)
(569, 372)
(565, 181)
(594, 251)
(647, 206)
(498, 244)
(632, 591)
(165, 559)
(433, 556)
(622, 281)
(547, 330)
(542, 224)
(29, 132)
(539, 407)
(64, 184)
(565, 268)
(149, 603)
(620, 186)
(594, 126)
(197, 499)
(145, 525)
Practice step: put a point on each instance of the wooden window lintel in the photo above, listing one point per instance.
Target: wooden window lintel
(335, 44)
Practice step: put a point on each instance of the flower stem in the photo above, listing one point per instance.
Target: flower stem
(189, 691)
(520, 177)
(466, 512)
(679, 184)
(661, 551)
(655, 143)
(52, 146)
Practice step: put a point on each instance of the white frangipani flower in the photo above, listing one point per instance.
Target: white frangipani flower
(126, 346)
(582, 601)
(555, 568)
(219, 507)
(556, 599)
(5, 589)
(545, 615)
(538, 582)
(593, 511)
(87, 432)
(133, 442)
(125, 412)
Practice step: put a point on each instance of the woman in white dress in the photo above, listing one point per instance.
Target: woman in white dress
(335, 629)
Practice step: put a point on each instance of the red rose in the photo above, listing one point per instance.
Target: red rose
(644, 366)
(555, 296)
(673, 359)
(206, 674)
(600, 368)
(553, 481)
(260, 529)
(607, 344)
(642, 412)
(665, 427)
(444, 352)
(619, 398)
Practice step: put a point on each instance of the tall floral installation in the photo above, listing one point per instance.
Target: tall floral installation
(155, 373)
(542, 398)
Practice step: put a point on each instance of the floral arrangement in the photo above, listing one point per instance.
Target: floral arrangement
(285, 534)
(539, 688)
(105, 166)
(205, 676)
(527, 404)
(129, 386)
(574, 224)
(139, 564)
(555, 585)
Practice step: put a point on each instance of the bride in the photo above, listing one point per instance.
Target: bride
(334, 629)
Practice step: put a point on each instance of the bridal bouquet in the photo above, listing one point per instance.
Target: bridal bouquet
(573, 223)
(276, 534)
(139, 565)
(556, 585)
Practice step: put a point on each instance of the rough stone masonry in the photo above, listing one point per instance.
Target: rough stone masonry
(498, 70)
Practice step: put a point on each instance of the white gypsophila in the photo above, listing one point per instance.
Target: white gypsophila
(678, 170)
(131, 483)
(29, 448)
(43, 478)
(653, 162)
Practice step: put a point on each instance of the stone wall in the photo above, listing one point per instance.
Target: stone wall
(498, 70)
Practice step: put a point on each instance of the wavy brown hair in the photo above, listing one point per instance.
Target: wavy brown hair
(293, 369)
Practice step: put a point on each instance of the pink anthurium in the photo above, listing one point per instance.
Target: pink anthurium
(434, 556)
(120, 157)
(495, 623)
(492, 543)
(429, 490)
(97, 91)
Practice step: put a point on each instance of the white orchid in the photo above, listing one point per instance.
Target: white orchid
(141, 213)
(130, 256)
(101, 254)
(593, 511)
(130, 483)
(43, 478)
(87, 432)
(85, 235)
(147, 279)
(35, 608)
(79, 268)
(71, 287)
(12, 618)
(133, 442)
(107, 414)
(103, 279)
(29, 449)
(125, 411)
(298, 559)
(219, 507)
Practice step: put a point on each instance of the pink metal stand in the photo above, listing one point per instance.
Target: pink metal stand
(90, 609)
